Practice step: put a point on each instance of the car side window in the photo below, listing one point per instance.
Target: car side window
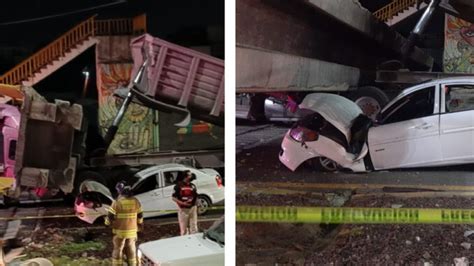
(415, 105)
(170, 177)
(459, 98)
(150, 183)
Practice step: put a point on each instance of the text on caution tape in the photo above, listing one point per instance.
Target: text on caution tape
(289, 214)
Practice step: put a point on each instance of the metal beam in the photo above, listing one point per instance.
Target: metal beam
(270, 71)
(353, 15)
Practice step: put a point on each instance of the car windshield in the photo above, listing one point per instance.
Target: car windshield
(414, 105)
(216, 232)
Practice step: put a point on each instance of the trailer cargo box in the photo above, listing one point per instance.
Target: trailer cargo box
(179, 77)
(45, 155)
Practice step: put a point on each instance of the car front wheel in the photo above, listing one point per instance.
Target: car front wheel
(203, 203)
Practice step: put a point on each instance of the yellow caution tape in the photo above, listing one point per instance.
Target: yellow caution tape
(175, 211)
(37, 217)
(353, 215)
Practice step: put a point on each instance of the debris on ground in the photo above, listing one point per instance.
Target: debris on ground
(70, 241)
(468, 233)
(463, 261)
(466, 245)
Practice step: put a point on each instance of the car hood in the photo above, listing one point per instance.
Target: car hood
(184, 250)
(337, 110)
(94, 186)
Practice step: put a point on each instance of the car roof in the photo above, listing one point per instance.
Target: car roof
(438, 81)
(161, 168)
(434, 82)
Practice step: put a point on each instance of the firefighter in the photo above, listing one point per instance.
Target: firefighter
(2, 259)
(126, 217)
(185, 195)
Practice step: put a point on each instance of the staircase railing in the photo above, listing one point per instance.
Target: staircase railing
(113, 26)
(81, 32)
(137, 25)
(49, 53)
(389, 11)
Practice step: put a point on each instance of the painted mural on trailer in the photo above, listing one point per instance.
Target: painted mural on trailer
(459, 45)
(138, 131)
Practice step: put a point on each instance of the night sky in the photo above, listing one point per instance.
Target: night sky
(185, 22)
(180, 21)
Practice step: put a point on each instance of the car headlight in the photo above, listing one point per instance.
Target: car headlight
(302, 134)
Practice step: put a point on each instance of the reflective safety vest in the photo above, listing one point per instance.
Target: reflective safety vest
(125, 215)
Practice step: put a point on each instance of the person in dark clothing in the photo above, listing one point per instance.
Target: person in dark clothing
(185, 195)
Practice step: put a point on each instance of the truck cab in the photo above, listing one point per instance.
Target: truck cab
(9, 125)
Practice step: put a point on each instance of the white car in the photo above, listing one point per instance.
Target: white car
(430, 124)
(197, 249)
(154, 189)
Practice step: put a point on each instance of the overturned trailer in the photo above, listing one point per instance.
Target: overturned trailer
(41, 144)
(172, 78)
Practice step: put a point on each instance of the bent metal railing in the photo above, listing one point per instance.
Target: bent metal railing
(389, 11)
(59, 47)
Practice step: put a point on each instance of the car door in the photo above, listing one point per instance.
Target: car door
(167, 183)
(409, 132)
(148, 192)
(457, 122)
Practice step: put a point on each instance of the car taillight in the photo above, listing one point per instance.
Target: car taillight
(78, 200)
(219, 181)
(302, 134)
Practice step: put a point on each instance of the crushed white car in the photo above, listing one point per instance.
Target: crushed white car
(197, 249)
(154, 190)
(430, 124)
